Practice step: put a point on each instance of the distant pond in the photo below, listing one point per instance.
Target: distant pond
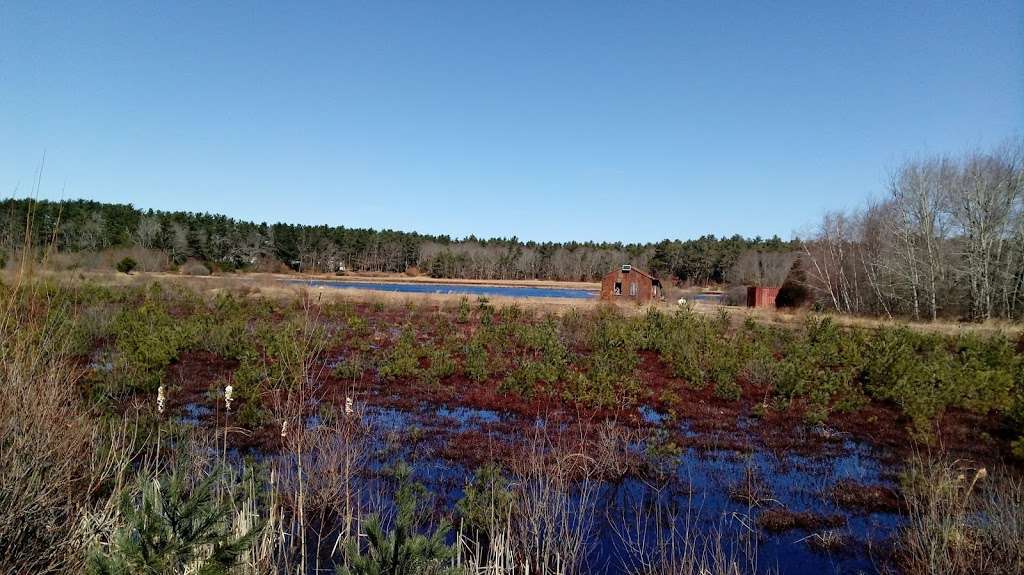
(465, 289)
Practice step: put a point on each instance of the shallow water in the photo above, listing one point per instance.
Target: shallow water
(194, 414)
(704, 490)
(463, 289)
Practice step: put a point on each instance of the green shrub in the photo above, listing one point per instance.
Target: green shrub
(692, 346)
(722, 365)
(609, 376)
(170, 529)
(1016, 414)
(442, 364)
(127, 265)
(525, 376)
(985, 374)
(148, 339)
(93, 324)
(486, 312)
(576, 327)
(358, 326)
(229, 338)
(351, 368)
(226, 329)
(476, 360)
(927, 373)
(284, 351)
(486, 503)
(403, 550)
(403, 361)
(728, 388)
(760, 368)
(823, 367)
(539, 354)
(610, 379)
(464, 310)
(513, 314)
(1017, 447)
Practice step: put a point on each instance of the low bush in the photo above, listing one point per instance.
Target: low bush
(823, 367)
(537, 354)
(148, 339)
(127, 265)
(194, 268)
(477, 359)
(168, 528)
(926, 373)
(358, 326)
(404, 549)
(464, 310)
(403, 360)
(485, 504)
(608, 376)
(442, 365)
(351, 368)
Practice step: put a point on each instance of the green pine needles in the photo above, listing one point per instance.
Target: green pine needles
(403, 550)
(169, 528)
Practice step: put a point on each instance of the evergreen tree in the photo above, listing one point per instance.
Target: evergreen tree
(170, 529)
(403, 551)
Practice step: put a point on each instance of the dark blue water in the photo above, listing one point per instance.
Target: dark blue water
(195, 414)
(463, 289)
(708, 298)
(791, 481)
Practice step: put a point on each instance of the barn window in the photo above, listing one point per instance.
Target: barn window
(618, 288)
(632, 289)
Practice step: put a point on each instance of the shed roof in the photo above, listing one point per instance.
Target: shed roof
(633, 268)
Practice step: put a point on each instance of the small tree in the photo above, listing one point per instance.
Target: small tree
(402, 551)
(127, 265)
(170, 529)
(486, 503)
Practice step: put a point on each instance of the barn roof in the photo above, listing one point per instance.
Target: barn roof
(639, 271)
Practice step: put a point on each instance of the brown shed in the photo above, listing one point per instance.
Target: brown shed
(630, 284)
(761, 296)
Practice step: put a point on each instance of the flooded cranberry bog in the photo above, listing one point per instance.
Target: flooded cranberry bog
(590, 441)
(474, 290)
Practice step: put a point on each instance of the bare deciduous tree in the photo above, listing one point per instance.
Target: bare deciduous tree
(947, 241)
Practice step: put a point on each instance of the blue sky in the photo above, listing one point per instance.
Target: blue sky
(620, 121)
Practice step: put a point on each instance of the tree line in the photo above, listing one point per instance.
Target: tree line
(88, 226)
(946, 240)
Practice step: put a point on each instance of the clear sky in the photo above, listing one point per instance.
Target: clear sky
(620, 121)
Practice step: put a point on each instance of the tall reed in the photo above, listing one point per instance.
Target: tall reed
(961, 519)
(59, 461)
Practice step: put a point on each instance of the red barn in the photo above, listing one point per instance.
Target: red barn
(630, 284)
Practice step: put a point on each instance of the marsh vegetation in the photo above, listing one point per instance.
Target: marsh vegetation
(156, 428)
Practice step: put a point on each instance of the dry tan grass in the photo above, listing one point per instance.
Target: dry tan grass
(57, 461)
(274, 286)
(795, 317)
(961, 519)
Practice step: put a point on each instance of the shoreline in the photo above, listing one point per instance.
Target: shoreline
(278, 284)
(426, 280)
